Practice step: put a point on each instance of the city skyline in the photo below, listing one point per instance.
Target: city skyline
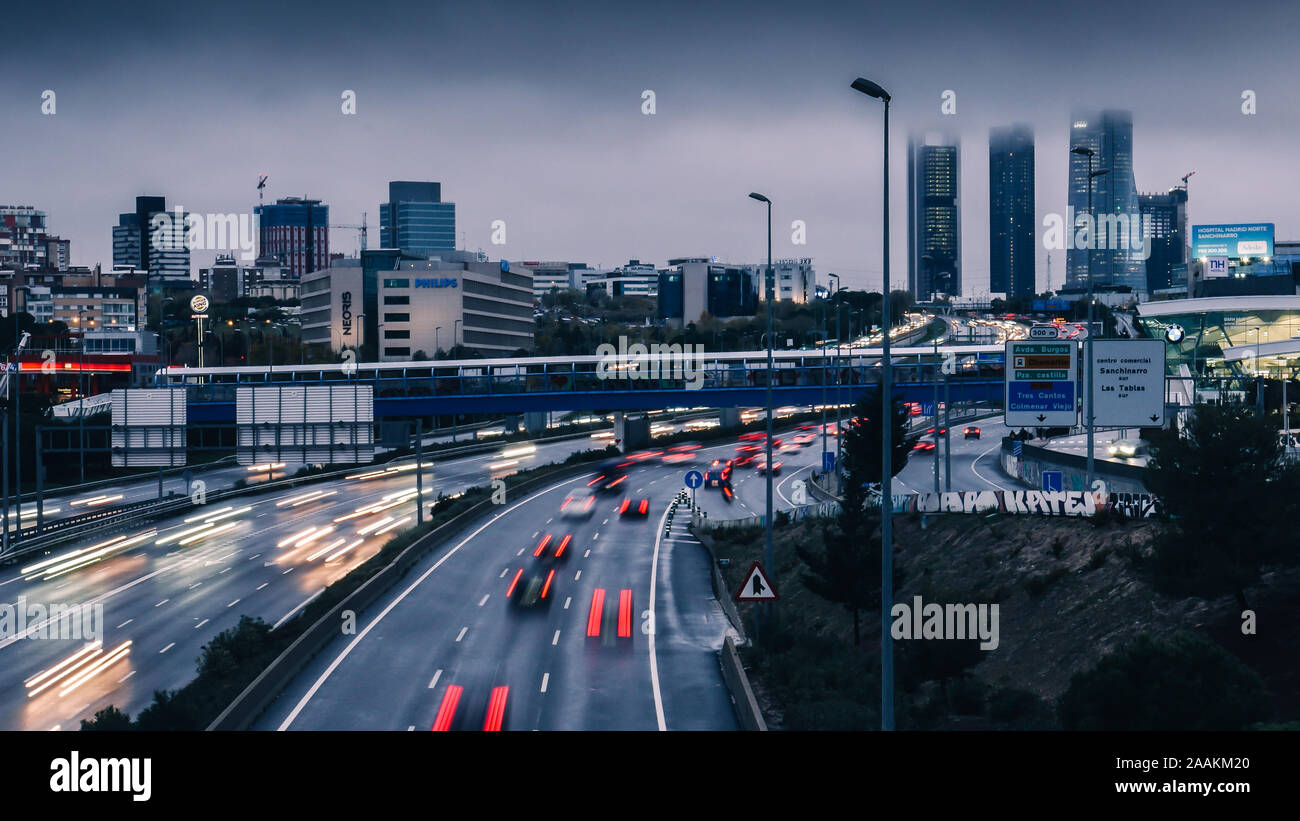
(538, 143)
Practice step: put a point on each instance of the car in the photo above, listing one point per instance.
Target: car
(1126, 448)
(942, 431)
(684, 453)
(532, 586)
(634, 507)
(761, 466)
(552, 547)
(924, 445)
(611, 475)
(746, 461)
(804, 438)
(579, 504)
(971, 432)
(718, 474)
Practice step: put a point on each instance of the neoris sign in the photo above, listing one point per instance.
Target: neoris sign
(345, 312)
(441, 282)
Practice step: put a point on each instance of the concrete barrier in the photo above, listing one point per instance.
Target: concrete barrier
(742, 695)
(720, 590)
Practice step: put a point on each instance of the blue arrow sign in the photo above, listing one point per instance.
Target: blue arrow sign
(828, 461)
(694, 479)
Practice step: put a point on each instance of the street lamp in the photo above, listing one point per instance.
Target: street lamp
(769, 287)
(886, 485)
(839, 432)
(455, 333)
(436, 346)
(1087, 342)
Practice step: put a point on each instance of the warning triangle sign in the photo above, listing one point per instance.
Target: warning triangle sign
(757, 586)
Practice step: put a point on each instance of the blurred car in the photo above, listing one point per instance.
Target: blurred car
(942, 431)
(684, 453)
(971, 432)
(804, 438)
(718, 474)
(634, 507)
(746, 460)
(579, 504)
(924, 445)
(532, 586)
(611, 475)
(761, 466)
(1126, 448)
(550, 547)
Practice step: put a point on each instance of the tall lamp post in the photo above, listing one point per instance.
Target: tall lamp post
(1084, 151)
(886, 485)
(839, 433)
(455, 333)
(769, 287)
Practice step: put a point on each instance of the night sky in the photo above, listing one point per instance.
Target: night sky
(532, 114)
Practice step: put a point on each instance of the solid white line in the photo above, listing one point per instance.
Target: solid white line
(302, 703)
(433, 682)
(546, 677)
(304, 603)
(981, 476)
(654, 661)
(556, 638)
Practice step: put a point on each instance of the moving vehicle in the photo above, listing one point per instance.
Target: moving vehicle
(761, 466)
(552, 547)
(634, 507)
(924, 445)
(531, 586)
(1126, 448)
(718, 474)
(611, 475)
(579, 504)
(971, 432)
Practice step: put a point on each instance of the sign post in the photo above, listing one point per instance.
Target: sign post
(1041, 383)
(693, 480)
(757, 587)
(1128, 376)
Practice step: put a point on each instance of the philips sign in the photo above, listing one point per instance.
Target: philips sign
(440, 282)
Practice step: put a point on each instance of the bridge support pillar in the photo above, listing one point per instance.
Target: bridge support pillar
(727, 417)
(632, 432)
(535, 422)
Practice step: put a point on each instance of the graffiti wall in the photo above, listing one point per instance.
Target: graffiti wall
(1029, 502)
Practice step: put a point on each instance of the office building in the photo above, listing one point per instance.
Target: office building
(25, 242)
(933, 216)
(416, 221)
(158, 246)
(695, 287)
(1114, 257)
(796, 281)
(1012, 257)
(295, 231)
(1164, 224)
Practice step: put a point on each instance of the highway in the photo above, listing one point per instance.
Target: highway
(169, 587)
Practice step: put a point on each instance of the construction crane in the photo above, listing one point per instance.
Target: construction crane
(261, 184)
(359, 228)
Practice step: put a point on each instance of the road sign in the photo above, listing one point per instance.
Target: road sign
(1128, 377)
(828, 461)
(1052, 481)
(694, 479)
(1041, 387)
(199, 304)
(1044, 332)
(757, 587)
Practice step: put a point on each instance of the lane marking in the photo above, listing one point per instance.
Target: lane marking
(264, 584)
(173, 644)
(578, 575)
(546, 677)
(507, 570)
(236, 601)
(334, 665)
(437, 674)
(205, 621)
(654, 660)
(128, 621)
(569, 599)
(556, 638)
(483, 600)
(304, 603)
(164, 601)
(465, 630)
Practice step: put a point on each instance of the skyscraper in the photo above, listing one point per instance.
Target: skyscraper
(415, 220)
(934, 216)
(1012, 255)
(1114, 200)
(161, 249)
(1165, 225)
(295, 231)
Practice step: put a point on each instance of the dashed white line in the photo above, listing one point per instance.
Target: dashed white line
(577, 576)
(161, 603)
(434, 681)
(250, 558)
(556, 638)
(264, 584)
(168, 647)
(546, 679)
(483, 600)
(521, 550)
(570, 599)
(588, 553)
(196, 584)
(227, 570)
(125, 677)
(462, 633)
(200, 624)
(507, 570)
(125, 623)
(290, 570)
(233, 603)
